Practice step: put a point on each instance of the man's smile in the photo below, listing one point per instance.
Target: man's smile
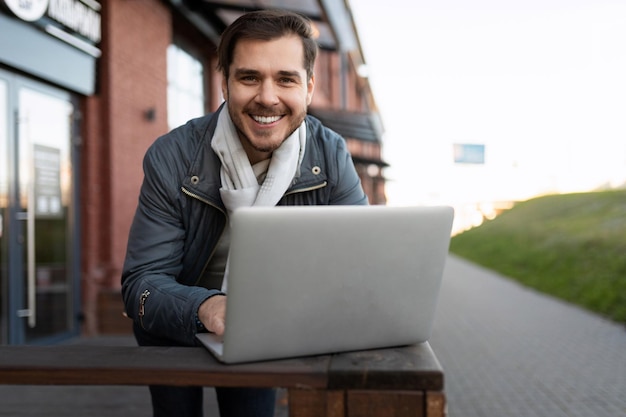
(265, 120)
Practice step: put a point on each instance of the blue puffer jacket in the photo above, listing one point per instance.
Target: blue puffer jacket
(180, 218)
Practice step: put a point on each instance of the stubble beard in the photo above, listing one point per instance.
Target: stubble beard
(264, 147)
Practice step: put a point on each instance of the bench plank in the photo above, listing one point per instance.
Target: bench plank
(386, 403)
(132, 365)
(316, 403)
(403, 368)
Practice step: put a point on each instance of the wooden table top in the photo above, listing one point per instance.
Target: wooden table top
(410, 367)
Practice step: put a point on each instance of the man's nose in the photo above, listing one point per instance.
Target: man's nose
(268, 93)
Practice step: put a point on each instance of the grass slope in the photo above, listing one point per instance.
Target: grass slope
(572, 246)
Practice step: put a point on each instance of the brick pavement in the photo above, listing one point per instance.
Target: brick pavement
(510, 351)
(506, 351)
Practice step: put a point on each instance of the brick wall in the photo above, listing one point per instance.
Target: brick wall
(132, 81)
(140, 31)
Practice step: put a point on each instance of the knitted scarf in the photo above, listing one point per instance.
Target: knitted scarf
(240, 180)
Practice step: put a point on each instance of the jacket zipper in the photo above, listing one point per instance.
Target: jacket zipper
(303, 190)
(142, 306)
(197, 197)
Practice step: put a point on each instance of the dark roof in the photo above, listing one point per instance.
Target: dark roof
(221, 13)
(362, 126)
(369, 161)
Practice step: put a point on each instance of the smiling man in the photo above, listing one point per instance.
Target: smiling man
(267, 92)
(259, 149)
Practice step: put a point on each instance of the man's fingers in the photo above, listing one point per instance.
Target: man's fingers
(212, 314)
(217, 326)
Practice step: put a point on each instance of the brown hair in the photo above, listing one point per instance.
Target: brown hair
(267, 25)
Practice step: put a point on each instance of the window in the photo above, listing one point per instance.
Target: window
(185, 87)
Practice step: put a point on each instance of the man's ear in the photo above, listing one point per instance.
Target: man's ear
(224, 88)
(310, 87)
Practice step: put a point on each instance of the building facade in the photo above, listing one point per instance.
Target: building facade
(85, 88)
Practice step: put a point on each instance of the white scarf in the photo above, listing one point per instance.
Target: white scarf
(240, 186)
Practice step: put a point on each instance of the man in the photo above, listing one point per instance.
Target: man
(259, 148)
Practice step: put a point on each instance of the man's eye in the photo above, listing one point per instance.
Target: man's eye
(287, 80)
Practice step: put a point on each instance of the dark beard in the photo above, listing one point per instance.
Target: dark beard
(263, 112)
(269, 148)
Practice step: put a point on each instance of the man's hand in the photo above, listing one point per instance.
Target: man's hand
(212, 313)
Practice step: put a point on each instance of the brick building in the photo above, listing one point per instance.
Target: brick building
(85, 88)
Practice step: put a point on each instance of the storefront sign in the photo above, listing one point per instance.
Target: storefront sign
(28, 10)
(77, 16)
(80, 21)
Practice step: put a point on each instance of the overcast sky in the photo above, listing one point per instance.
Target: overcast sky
(541, 83)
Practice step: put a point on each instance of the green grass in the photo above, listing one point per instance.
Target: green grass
(572, 246)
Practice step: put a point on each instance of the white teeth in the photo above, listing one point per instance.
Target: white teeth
(266, 120)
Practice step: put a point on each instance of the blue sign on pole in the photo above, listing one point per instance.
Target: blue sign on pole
(467, 153)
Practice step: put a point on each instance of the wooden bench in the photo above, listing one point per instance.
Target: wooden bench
(405, 381)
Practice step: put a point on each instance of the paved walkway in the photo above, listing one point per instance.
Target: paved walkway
(506, 351)
(509, 351)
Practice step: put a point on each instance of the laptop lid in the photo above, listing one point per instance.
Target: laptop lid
(311, 280)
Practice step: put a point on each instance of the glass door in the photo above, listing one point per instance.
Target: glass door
(41, 282)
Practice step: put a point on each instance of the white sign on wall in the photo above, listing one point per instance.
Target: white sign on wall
(77, 22)
(47, 162)
(28, 10)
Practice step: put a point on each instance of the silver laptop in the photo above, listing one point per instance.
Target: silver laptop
(313, 280)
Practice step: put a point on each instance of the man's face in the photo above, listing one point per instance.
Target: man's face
(267, 92)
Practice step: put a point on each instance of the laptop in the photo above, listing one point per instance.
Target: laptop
(311, 280)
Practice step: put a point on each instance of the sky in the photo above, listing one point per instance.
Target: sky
(540, 83)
